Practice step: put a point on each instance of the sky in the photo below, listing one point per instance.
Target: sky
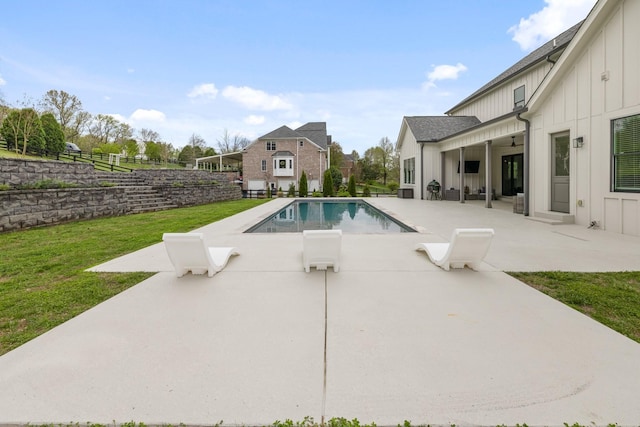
(203, 67)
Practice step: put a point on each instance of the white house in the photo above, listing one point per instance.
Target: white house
(561, 127)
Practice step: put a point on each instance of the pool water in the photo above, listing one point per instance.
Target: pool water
(355, 216)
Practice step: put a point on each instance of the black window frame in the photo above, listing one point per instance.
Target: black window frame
(631, 156)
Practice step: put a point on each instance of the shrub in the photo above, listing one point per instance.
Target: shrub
(393, 186)
(351, 188)
(327, 184)
(366, 191)
(292, 190)
(303, 186)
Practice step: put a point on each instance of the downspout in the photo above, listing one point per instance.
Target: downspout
(421, 171)
(527, 130)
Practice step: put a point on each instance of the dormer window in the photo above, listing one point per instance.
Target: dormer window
(518, 98)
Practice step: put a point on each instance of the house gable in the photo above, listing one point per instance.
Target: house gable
(497, 98)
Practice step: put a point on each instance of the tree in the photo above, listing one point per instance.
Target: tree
(65, 108)
(104, 128)
(370, 170)
(146, 135)
(232, 143)
(303, 186)
(336, 177)
(337, 156)
(79, 124)
(327, 184)
(351, 188)
(53, 134)
(131, 147)
(153, 151)
(24, 127)
(384, 153)
(196, 140)
(122, 132)
(188, 154)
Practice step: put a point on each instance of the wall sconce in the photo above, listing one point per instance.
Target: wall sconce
(578, 142)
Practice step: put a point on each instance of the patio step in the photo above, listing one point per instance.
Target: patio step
(552, 218)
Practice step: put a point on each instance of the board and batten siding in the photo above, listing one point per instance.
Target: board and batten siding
(599, 84)
(499, 101)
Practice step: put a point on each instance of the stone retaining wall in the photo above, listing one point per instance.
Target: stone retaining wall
(25, 208)
(192, 194)
(15, 172)
(31, 208)
(160, 177)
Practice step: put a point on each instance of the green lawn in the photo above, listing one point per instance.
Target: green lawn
(612, 299)
(42, 277)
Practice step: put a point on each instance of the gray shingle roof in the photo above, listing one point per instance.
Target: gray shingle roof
(435, 128)
(551, 47)
(281, 132)
(282, 154)
(316, 132)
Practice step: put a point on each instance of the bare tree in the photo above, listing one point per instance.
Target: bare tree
(146, 135)
(79, 124)
(196, 140)
(232, 143)
(104, 128)
(122, 133)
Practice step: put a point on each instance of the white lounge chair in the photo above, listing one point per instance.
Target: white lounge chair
(187, 251)
(468, 247)
(321, 248)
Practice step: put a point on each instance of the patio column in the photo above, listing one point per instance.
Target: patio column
(443, 160)
(461, 174)
(487, 174)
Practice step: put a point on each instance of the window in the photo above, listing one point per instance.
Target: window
(409, 170)
(518, 97)
(301, 143)
(283, 165)
(625, 142)
(263, 167)
(271, 146)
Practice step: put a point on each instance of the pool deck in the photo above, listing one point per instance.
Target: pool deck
(391, 337)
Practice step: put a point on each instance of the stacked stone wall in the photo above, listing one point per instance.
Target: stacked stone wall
(16, 172)
(194, 194)
(24, 208)
(21, 209)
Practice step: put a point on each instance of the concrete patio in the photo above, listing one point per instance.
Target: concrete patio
(391, 337)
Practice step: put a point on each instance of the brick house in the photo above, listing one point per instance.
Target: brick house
(277, 159)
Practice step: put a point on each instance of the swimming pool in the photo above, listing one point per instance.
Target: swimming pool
(353, 216)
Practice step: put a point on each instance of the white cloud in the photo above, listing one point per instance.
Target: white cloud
(254, 120)
(148, 115)
(553, 19)
(207, 90)
(130, 70)
(255, 99)
(443, 72)
(2, 81)
(119, 117)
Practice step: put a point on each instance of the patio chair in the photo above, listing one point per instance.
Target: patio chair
(468, 247)
(321, 248)
(188, 252)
